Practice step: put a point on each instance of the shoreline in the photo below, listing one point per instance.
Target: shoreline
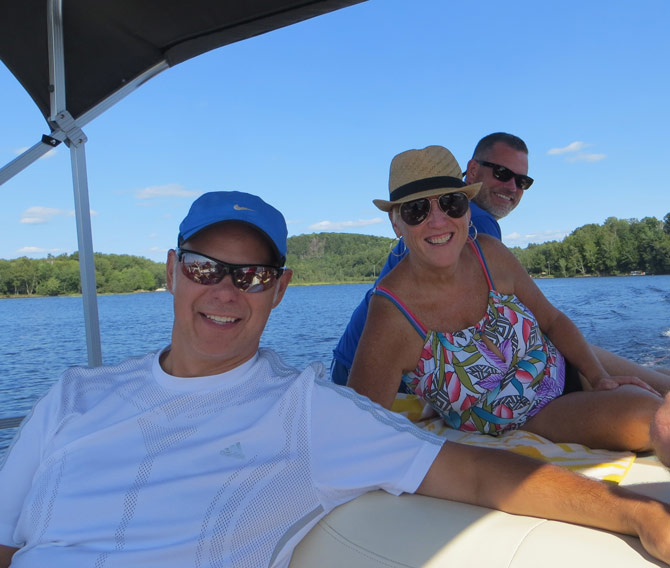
(545, 277)
(19, 296)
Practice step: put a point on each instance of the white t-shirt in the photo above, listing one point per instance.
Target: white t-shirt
(128, 466)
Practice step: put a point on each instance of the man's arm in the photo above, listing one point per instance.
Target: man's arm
(6, 553)
(515, 484)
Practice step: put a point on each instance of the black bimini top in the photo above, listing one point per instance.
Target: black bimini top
(107, 44)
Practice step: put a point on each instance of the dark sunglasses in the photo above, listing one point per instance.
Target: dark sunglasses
(505, 174)
(206, 270)
(453, 204)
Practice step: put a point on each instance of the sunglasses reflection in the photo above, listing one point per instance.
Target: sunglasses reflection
(206, 270)
(415, 212)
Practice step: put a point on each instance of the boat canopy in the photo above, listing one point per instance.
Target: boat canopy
(76, 58)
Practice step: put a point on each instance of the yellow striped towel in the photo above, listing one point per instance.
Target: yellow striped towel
(599, 464)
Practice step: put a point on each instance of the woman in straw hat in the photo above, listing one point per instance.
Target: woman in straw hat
(462, 325)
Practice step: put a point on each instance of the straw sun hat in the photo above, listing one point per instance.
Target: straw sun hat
(421, 173)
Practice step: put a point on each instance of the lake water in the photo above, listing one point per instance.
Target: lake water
(40, 337)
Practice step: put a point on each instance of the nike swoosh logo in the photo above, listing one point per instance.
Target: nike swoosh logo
(240, 208)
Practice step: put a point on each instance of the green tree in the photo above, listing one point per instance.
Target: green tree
(23, 276)
(52, 287)
(5, 278)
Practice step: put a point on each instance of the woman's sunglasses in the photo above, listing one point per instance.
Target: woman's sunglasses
(505, 174)
(206, 270)
(453, 204)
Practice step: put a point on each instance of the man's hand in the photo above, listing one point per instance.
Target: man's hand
(651, 525)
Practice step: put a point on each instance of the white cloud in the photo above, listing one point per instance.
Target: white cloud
(572, 147)
(50, 154)
(576, 155)
(170, 190)
(339, 225)
(37, 250)
(583, 157)
(40, 215)
(522, 240)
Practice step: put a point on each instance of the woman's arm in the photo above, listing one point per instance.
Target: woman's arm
(388, 346)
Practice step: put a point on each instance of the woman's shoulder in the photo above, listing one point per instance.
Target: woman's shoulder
(494, 251)
(504, 267)
(395, 279)
(487, 242)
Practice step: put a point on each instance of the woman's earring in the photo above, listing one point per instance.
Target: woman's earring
(401, 247)
(472, 229)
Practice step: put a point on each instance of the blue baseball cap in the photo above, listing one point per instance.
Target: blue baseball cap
(219, 206)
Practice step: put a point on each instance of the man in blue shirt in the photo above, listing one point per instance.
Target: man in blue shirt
(500, 163)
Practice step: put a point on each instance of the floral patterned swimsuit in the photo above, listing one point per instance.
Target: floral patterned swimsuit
(469, 385)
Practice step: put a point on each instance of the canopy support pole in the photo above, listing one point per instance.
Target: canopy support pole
(31, 155)
(65, 128)
(86, 257)
(48, 142)
(61, 120)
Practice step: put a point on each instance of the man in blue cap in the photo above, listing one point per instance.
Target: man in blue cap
(212, 452)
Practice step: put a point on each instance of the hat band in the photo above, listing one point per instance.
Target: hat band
(437, 182)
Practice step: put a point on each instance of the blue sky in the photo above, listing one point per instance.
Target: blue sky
(310, 116)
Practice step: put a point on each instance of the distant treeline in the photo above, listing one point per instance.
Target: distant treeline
(59, 275)
(336, 257)
(619, 246)
(323, 257)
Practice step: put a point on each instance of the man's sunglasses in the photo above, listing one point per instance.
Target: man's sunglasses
(453, 204)
(206, 270)
(505, 174)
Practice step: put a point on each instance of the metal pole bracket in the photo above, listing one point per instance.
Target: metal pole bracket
(63, 121)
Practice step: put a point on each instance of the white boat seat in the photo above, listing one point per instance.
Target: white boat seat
(380, 530)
